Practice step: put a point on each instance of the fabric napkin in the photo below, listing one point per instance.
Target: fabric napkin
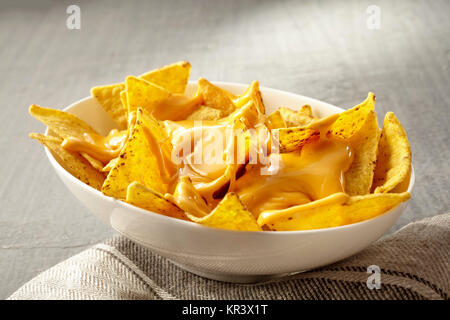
(413, 264)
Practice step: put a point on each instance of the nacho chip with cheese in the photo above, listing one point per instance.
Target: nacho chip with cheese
(251, 94)
(229, 214)
(275, 120)
(291, 139)
(143, 94)
(141, 160)
(173, 78)
(157, 101)
(145, 198)
(215, 97)
(358, 178)
(359, 126)
(64, 124)
(335, 210)
(75, 164)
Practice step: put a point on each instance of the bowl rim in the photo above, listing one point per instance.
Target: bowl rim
(191, 224)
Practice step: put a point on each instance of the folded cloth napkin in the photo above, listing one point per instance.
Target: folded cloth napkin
(414, 264)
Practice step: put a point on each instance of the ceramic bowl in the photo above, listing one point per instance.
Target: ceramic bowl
(225, 255)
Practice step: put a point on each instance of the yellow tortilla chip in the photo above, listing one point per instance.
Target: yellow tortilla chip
(275, 120)
(187, 198)
(206, 113)
(109, 98)
(251, 94)
(322, 123)
(173, 77)
(140, 159)
(94, 162)
(358, 178)
(229, 214)
(394, 156)
(159, 102)
(291, 139)
(371, 205)
(110, 165)
(335, 210)
(295, 118)
(123, 99)
(306, 110)
(248, 115)
(359, 127)
(215, 97)
(143, 94)
(351, 121)
(145, 198)
(74, 163)
(64, 124)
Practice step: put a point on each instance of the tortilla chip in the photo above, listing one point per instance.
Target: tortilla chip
(145, 198)
(247, 114)
(251, 94)
(306, 110)
(335, 210)
(74, 163)
(291, 139)
(206, 113)
(143, 94)
(359, 127)
(294, 118)
(139, 159)
(215, 97)
(394, 156)
(351, 121)
(123, 99)
(109, 98)
(64, 124)
(229, 214)
(275, 120)
(110, 165)
(173, 77)
(371, 205)
(186, 197)
(94, 162)
(358, 178)
(322, 123)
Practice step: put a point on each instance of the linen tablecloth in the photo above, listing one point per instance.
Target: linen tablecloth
(413, 263)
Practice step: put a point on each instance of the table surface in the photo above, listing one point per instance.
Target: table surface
(321, 49)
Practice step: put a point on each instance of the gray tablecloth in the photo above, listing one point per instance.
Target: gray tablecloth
(321, 49)
(414, 264)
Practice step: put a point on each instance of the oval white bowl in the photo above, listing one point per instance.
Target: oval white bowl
(226, 255)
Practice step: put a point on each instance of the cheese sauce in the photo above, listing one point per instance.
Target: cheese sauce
(210, 158)
(100, 147)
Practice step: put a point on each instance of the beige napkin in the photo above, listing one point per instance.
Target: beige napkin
(413, 264)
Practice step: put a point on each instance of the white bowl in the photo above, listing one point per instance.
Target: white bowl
(225, 255)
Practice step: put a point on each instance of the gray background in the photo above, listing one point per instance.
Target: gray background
(321, 49)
